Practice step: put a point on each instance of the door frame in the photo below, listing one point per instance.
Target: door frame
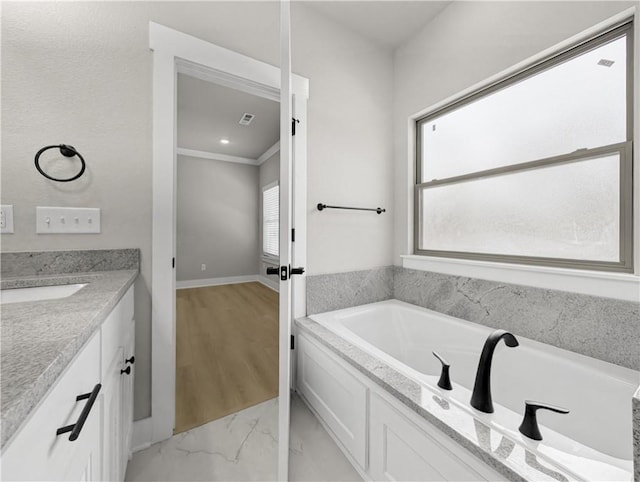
(175, 52)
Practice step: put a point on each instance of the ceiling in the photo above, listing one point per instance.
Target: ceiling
(208, 112)
(388, 23)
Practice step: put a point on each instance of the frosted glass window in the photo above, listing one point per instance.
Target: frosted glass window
(537, 168)
(579, 103)
(569, 211)
(271, 221)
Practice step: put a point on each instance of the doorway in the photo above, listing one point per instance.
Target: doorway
(228, 167)
(175, 52)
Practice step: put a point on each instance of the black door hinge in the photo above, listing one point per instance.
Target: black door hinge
(294, 121)
(293, 235)
(293, 342)
(173, 262)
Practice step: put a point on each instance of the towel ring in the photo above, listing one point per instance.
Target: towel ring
(66, 151)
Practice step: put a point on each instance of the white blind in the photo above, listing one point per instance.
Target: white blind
(271, 221)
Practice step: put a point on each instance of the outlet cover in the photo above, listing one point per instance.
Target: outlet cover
(6, 218)
(56, 220)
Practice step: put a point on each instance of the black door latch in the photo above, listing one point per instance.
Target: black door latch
(285, 272)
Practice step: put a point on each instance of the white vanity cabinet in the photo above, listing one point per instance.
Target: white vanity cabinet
(102, 447)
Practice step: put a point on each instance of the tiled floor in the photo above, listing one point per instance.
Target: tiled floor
(243, 446)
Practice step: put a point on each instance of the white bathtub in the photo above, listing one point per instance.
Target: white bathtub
(593, 441)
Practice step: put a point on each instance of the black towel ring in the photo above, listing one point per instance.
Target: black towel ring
(66, 151)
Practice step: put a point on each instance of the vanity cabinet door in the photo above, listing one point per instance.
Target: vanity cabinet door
(36, 452)
(127, 396)
(112, 449)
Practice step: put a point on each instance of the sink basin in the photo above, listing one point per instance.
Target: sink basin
(39, 293)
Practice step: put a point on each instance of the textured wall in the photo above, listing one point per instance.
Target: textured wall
(466, 44)
(80, 73)
(349, 143)
(217, 219)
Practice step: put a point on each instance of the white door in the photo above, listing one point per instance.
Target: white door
(286, 189)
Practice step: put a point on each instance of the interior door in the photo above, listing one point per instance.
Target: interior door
(285, 271)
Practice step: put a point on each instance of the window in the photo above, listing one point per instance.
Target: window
(271, 220)
(535, 169)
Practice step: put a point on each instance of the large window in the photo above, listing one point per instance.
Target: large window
(535, 169)
(271, 220)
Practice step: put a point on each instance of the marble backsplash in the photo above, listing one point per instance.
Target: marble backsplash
(602, 328)
(40, 263)
(636, 436)
(328, 292)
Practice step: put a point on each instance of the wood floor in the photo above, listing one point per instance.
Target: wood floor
(227, 351)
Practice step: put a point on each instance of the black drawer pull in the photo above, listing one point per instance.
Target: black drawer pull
(77, 427)
(131, 360)
(126, 370)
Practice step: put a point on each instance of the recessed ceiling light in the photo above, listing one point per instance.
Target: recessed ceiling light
(224, 141)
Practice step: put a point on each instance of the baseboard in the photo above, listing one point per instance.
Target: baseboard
(141, 434)
(269, 283)
(229, 280)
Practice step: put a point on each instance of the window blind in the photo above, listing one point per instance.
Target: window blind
(271, 221)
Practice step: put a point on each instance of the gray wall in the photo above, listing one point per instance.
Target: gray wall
(217, 219)
(80, 73)
(466, 44)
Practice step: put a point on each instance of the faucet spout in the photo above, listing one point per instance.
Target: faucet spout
(481, 397)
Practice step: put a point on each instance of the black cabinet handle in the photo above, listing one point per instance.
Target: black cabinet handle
(445, 380)
(126, 370)
(529, 426)
(77, 427)
(131, 360)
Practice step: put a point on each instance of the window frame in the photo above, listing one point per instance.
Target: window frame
(625, 150)
(268, 256)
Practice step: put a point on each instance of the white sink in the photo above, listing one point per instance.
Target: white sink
(39, 293)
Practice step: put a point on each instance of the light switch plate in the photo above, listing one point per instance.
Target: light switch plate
(55, 220)
(6, 218)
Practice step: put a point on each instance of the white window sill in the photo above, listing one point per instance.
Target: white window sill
(620, 286)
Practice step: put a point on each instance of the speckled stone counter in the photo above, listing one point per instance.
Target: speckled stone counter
(515, 460)
(40, 338)
(636, 436)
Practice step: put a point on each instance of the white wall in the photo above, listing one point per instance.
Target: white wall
(80, 73)
(350, 151)
(467, 43)
(217, 219)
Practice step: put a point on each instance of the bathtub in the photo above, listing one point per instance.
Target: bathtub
(593, 441)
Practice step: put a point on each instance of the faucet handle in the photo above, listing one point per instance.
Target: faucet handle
(529, 426)
(445, 380)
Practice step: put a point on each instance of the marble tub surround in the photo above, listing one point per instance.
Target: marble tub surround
(40, 263)
(510, 454)
(601, 328)
(40, 338)
(328, 292)
(636, 436)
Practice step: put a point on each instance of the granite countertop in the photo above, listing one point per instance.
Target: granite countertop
(514, 460)
(40, 338)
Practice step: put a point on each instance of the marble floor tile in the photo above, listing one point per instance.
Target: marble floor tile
(244, 446)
